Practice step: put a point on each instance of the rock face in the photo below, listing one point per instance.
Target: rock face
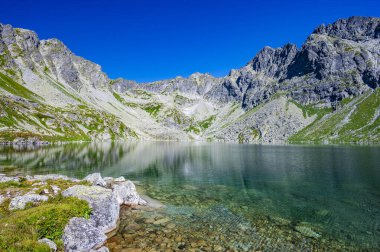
(338, 61)
(21, 201)
(105, 208)
(82, 235)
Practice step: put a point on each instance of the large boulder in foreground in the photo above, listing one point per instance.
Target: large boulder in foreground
(105, 207)
(20, 202)
(82, 235)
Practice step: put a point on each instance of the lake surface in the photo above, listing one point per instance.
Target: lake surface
(226, 197)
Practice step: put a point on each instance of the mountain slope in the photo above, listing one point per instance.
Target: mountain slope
(327, 90)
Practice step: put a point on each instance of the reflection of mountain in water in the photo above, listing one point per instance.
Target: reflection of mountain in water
(76, 159)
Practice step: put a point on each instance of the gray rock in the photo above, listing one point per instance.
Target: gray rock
(20, 202)
(39, 183)
(82, 235)
(95, 179)
(119, 179)
(55, 189)
(50, 243)
(51, 177)
(125, 193)
(105, 207)
(7, 179)
(2, 199)
(45, 191)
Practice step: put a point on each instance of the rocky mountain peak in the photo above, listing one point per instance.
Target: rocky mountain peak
(274, 61)
(353, 28)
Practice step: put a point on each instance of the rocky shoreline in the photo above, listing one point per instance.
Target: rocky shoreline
(103, 195)
(24, 142)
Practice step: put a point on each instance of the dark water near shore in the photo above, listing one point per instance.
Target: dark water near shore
(229, 196)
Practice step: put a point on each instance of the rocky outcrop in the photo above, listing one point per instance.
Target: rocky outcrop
(20, 202)
(80, 234)
(105, 208)
(353, 28)
(83, 235)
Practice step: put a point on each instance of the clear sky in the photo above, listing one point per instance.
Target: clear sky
(151, 40)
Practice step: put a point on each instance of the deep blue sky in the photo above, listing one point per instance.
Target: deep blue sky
(151, 40)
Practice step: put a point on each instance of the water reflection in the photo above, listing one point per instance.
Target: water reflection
(335, 188)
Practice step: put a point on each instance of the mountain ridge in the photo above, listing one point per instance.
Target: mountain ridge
(338, 62)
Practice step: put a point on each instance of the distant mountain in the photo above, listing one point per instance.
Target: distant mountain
(325, 91)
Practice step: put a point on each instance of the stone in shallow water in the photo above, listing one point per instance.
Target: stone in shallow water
(125, 193)
(95, 179)
(102, 249)
(82, 235)
(105, 208)
(307, 231)
(161, 221)
(50, 243)
(20, 202)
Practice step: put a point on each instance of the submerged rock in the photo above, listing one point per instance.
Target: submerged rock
(102, 249)
(95, 179)
(307, 231)
(20, 202)
(105, 207)
(82, 235)
(125, 193)
(50, 243)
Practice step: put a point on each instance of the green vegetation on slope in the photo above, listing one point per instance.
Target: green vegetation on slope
(14, 88)
(356, 121)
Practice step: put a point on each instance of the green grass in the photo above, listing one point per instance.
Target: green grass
(14, 88)
(152, 109)
(310, 110)
(121, 99)
(205, 124)
(193, 128)
(353, 122)
(20, 230)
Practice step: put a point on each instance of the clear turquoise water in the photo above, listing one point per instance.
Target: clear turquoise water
(334, 191)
